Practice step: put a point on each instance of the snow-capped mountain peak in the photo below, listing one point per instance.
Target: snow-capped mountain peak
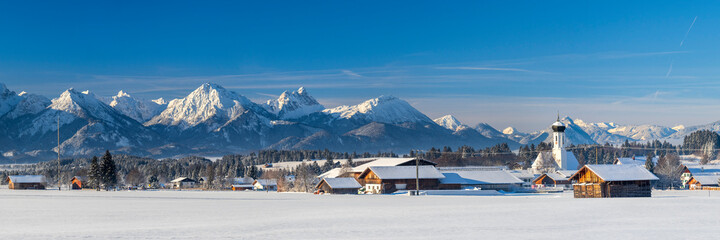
(449, 122)
(8, 99)
(510, 131)
(293, 104)
(159, 101)
(204, 103)
(385, 109)
(140, 110)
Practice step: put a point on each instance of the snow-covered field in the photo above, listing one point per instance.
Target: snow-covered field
(259, 215)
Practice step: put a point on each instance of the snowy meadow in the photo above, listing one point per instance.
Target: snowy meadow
(87, 214)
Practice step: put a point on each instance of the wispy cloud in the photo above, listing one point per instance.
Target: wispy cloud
(486, 69)
(351, 73)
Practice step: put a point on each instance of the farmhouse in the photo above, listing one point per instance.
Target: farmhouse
(77, 182)
(600, 181)
(241, 184)
(483, 178)
(183, 182)
(695, 169)
(26, 182)
(374, 162)
(265, 185)
(388, 179)
(703, 181)
(339, 185)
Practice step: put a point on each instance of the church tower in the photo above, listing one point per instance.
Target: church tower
(558, 151)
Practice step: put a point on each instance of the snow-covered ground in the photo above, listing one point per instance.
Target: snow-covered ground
(260, 215)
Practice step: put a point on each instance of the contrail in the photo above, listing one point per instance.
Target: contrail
(688, 31)
(669, 70)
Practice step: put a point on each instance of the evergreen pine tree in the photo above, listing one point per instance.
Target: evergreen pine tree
(94, 174)
(108, 171)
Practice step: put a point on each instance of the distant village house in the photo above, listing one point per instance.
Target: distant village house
(18, 182)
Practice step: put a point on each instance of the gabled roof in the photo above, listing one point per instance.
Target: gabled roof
(391, 162)
(340, 183)
(266, 182)
(566, 173)
(243, 180)
(614, 172)
(638, 160)
(477, 177)
(523, 174)
(27, 178)
(403, 172)
(554, 176)
(332, 173)
(79, 178)
(182, 179)
(707, 180)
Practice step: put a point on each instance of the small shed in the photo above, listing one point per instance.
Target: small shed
(388, 179)
(703, 181)
(601, 181)
(339, 185)
(554, 179)
(26, 182)
(183, 182)
(265, 185)
(76, 182)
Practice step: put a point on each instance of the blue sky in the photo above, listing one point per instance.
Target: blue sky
(507, 63)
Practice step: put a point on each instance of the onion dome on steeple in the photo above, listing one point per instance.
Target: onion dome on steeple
(558, 126)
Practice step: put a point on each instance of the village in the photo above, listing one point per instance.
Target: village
(553, 171)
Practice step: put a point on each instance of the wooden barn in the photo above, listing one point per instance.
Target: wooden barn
(554, 179)
(339, 185)
(76, 182)
(388, 179)
(703, 181)
(601, 181)
(26, 182)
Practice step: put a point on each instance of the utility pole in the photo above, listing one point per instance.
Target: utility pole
(417, 176)
(58, 151)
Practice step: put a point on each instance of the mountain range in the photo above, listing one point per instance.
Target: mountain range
(214, 121)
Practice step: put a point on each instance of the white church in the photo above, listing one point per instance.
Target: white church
(559, 159)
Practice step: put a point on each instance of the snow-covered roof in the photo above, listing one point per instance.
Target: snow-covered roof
(557, 176)
(473, 177)
(332, 173)
(523, 174)
(613, 172)
(339, 183)
(243, 180)
(708, 169)
(27, 178)
(637, 160)
(182, 179)
(707, 180)
(266, 182)
(242, 185)
(404, 172)
(385, 162)
(566, 173)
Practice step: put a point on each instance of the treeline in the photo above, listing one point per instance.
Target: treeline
(498, 155)
(137, 171)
